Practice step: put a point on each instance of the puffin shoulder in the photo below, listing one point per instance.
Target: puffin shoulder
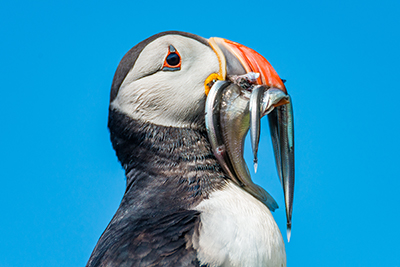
(162, 240)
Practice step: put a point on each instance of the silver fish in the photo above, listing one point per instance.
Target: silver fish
(282, 135)
(255, 116)
(213, 125)
(227, 109)
(262, 101)
(230, 112)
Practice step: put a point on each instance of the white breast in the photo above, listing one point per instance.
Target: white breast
(238, 230)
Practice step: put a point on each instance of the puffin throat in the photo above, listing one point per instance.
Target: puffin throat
(176, 162)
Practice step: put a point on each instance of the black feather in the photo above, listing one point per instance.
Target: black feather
(169, 171)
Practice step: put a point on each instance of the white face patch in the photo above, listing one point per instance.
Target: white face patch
(238, 230)
(168, 98)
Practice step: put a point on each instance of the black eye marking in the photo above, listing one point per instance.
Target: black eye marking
(173, 60)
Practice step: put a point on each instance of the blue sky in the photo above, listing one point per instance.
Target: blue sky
(61, 181)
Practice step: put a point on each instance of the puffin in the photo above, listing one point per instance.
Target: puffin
(180, 108)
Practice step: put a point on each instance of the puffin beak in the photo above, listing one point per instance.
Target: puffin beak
(247, 89)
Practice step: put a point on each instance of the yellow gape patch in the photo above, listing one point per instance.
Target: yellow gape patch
(208, 83)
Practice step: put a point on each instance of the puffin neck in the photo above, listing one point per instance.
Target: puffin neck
(165, 158)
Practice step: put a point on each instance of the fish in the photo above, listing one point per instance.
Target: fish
(255, 125)
(282, 134)
(235, 106)
(227, 109)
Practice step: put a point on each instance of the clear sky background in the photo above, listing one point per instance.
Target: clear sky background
(60, 179)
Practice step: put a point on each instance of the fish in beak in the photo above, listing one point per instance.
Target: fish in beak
(246, 89)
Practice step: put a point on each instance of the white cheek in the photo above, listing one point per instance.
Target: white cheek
(164, 103)
(238, 230)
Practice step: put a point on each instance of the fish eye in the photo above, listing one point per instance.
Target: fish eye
(173, 60)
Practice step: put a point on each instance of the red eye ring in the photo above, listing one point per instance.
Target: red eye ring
(172, 61)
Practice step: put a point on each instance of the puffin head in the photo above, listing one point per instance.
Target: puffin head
(182, 80)
(165, 79)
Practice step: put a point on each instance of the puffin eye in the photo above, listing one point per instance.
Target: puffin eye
(173, 60)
